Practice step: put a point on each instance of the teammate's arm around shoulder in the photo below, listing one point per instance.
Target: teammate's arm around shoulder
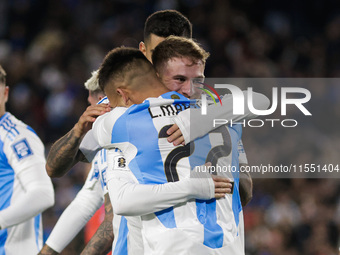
(64, 153)
(129, 198)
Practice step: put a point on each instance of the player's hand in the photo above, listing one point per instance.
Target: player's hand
(222, 186)
(175, 135)
(86, 120)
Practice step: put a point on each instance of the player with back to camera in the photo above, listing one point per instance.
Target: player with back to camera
(131, 82)
(90, 198)
(63, 153)
(26, 190)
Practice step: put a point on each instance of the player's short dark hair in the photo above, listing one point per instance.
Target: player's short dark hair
(2, 76)
(166, 23)
(119, 61)
(177, 47)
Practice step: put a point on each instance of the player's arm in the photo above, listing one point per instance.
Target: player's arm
(25, 154)
(246, 182)
(204, 123)
(39, 196)
(76, 215)
(65, 153)
(101, 133)
(246, 186)
(101, 241)
(132, 199)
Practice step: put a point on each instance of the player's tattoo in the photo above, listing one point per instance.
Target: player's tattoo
(101, 242)
(46, 250)
(64, 154)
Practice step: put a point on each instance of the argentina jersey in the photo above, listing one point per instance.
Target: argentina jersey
(140, 132)
(20, 148)
(119, 223)
(222, 218)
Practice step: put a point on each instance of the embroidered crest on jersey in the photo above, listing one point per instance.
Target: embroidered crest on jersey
(22, 149)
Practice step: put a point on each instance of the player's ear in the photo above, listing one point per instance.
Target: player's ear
(124, 93)
(6, 93)
(142, 47)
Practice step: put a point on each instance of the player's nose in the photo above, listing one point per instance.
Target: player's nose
(186, 89)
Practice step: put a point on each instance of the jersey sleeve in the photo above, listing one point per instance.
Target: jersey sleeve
(25, 154)
(204, 123)
(129, 198)
(100, 135)
(78, 213)
(24, 150)
(103, 126)
(89, 146)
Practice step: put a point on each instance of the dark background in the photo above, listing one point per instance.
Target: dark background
(49, 48)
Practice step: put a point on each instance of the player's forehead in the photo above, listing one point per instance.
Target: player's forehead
(184, 66)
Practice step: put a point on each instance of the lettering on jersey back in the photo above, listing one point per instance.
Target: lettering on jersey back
(167, 110)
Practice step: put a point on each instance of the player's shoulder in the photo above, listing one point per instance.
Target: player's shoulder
(12, 129)
(103, 125)
(110, 117)
(19, 139)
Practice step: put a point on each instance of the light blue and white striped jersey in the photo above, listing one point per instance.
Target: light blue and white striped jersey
(119, 223)
(20, 148)
(195, 227)
(98, 174)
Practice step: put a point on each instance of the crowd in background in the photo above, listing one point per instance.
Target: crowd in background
(49, 49)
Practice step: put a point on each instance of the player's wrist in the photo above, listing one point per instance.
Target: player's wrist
(202, 187)
(78, 131)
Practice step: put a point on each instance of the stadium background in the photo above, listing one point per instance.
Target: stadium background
(49, 48)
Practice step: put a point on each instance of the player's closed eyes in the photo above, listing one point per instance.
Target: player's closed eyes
(181, 79)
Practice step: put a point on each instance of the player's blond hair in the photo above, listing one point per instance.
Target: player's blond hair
(92, 83)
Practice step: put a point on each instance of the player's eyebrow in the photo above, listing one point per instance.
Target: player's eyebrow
(180, 76)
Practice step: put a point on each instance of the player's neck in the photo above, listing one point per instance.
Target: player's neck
(2, 113)
(155, 89)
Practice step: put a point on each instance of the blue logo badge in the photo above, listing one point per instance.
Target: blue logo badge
(22, 149)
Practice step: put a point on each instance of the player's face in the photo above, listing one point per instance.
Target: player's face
(148, 47)
(94, 98)
(3, 98)
(177, 74)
